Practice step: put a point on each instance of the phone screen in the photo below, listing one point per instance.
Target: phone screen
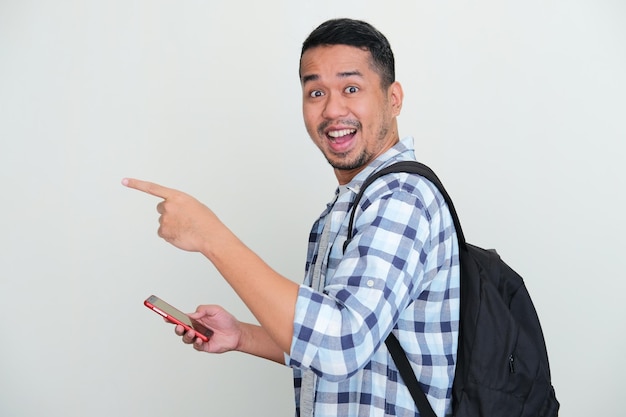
(175, 315)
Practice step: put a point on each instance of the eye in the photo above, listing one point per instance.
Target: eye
(316, 93)
(351, 90)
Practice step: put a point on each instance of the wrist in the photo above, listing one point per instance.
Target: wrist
(245, 336)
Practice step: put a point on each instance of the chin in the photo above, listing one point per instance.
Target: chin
(349, 165)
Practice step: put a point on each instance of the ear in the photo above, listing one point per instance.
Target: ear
(395, 96)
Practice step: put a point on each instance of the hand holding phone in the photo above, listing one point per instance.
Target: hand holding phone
(176, 316)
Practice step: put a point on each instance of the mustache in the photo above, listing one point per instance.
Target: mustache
(324, 125)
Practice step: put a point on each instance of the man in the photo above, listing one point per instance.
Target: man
(399, 272)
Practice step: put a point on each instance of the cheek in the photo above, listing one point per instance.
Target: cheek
(310, 119)
(372, 117)
(363, 110)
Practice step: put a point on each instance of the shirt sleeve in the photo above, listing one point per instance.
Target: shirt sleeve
(336, 332)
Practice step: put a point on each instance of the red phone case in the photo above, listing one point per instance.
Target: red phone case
(169, 312)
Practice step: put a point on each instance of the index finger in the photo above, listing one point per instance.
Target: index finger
(147, 187)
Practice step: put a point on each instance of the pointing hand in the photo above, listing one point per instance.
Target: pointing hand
(184, 222)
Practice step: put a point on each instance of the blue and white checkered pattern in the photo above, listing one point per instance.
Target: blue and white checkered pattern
(400, 272)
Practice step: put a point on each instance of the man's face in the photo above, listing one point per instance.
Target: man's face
(347, 113)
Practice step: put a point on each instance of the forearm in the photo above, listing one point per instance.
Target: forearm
(255, 341)
(269, 296)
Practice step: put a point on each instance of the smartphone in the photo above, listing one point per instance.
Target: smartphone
(176, 316)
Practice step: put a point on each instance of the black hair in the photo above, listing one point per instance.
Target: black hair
(358, 34)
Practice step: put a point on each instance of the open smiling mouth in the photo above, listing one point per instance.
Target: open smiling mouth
(341, 140)
(343, 134)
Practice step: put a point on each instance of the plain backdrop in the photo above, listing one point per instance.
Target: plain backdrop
(519, 106)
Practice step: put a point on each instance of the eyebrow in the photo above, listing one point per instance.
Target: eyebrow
(344, 74)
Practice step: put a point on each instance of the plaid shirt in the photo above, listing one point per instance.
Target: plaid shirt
(400, 273)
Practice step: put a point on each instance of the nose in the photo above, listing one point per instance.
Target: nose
(335, 106)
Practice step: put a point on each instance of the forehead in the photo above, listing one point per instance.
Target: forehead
(333, 60)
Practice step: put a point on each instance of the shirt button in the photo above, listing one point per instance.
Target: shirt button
(370, 283)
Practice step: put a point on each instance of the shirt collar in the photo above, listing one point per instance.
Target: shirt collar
(401, 151)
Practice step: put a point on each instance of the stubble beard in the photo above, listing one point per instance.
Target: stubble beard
(341, 162)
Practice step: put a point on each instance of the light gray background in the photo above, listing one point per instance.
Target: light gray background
(520, 107)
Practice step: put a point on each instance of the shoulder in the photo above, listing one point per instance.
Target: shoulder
(407, 187)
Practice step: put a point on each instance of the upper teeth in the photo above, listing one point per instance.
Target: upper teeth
(339, 133)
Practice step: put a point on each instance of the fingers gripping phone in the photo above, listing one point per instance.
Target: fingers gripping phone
(177, 317)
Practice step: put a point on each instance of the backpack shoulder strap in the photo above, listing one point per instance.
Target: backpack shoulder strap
(412, 167)
(408, 376)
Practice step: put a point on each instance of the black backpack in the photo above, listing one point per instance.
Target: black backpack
(502, 365)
